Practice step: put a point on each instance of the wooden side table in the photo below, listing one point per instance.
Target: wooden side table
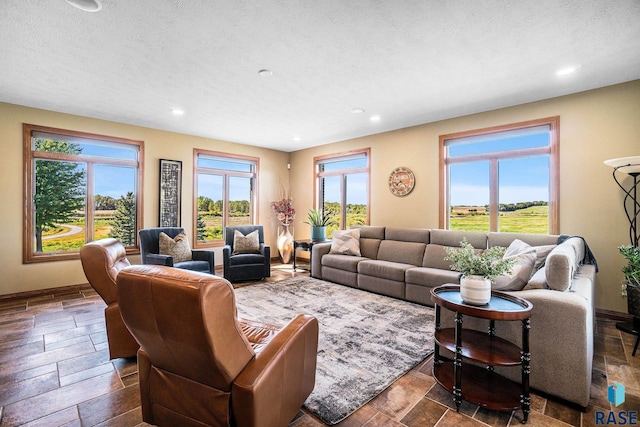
(483, 387)
(305, 245)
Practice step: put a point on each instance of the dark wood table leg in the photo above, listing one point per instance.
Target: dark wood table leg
(457, 364)
(294, 256)
(525, 357)
(436, 350)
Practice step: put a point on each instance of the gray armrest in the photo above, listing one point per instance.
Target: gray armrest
(317, 252)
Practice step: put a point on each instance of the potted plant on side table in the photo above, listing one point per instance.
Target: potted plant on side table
(479, 268)
(319, 221)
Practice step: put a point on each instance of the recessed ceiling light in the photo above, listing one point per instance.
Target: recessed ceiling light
(177, 111)
(567, 70)
(265, 73)
(357, 110)
(375, 118)
(86, 5)
(296, 139)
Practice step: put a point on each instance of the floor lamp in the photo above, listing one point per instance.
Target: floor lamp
(631, 167)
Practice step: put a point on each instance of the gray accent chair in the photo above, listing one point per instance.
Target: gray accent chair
(203, 261)
(245, 267)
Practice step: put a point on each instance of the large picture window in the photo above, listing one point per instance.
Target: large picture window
(501, 179)
(342, 183)
(224, 194)
(79, 187)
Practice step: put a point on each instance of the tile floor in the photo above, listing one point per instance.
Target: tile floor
(55, 371)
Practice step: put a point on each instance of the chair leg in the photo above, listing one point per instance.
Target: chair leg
(635, 347)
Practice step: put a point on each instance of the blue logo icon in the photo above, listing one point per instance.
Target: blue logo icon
(615, 394)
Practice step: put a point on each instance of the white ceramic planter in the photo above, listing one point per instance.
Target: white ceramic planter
(475, 290)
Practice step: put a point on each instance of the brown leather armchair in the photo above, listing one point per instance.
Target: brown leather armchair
(198, 364)
(101, 261)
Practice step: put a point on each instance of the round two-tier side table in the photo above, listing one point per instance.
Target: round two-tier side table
(482, 386)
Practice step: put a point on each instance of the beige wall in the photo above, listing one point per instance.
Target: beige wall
(594, 126)
(17, 277)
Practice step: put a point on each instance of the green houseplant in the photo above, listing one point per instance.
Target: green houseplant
(631, 282)
(319, 221)
(479, 269)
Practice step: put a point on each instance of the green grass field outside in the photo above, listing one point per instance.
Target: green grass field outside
(531, 220)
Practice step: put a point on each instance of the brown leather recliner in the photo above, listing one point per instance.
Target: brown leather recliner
(198, 364)
(101, 261)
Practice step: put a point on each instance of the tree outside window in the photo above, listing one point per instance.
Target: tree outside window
(224, 194)
(342, 183)
(83, 187)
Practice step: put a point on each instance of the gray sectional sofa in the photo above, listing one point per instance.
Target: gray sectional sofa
(407, 263)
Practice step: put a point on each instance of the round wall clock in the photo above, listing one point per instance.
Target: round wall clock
(401, 181)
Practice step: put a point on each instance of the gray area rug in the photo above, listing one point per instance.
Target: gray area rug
(366, 341)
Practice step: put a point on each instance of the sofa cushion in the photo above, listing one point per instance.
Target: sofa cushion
(402, 252)
(453, 238)
(384, 269)
(369, 247)
(342, 262)
(519, 275)
(418, 235)
(249, 244)
(177, 247)
(392, 288)
(562, 263)
(434, 257)
(370, 231)
(431, 277)
(346, 242)
(501, 238)
(537, 281)
(370, 238)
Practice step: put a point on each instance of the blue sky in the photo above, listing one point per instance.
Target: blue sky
(521, 180)
(211, 186)
(114, 181)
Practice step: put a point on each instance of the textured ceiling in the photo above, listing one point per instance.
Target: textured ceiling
(409, 61)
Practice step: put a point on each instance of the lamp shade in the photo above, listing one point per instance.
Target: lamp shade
(629, 165)
(630, 203)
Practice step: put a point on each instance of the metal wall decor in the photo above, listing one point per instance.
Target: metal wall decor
(401, 181)
(170, 193)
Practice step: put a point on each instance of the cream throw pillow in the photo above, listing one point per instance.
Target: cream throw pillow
(521, 272)
(249, 244)
(346, 242)
(178, 248)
